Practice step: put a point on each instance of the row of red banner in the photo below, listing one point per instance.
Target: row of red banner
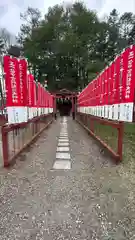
(21, 88)
(23, 92)
(114, 86)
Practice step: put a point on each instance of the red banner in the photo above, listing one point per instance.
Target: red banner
(129, 72)
(30, 90)
(11, 68)
(35, 94)
(112, 68)
(23, 81)
(117, 80)
(39, 95)
(106, 86)
(42, 98)
(103, 88)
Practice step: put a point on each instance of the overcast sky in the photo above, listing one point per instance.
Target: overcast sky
(10, 9)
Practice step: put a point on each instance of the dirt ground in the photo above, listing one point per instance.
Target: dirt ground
(94, 200)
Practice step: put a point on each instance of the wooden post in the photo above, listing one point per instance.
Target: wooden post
(54, 107)
(120, 139)
(5, 149)
(73, 108)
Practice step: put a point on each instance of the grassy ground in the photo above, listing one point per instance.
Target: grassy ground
(109, 135)
(129, 141)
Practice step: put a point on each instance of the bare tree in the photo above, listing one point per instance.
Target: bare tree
(5, 36)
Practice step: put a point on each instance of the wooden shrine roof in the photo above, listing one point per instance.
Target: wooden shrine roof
(64, 92)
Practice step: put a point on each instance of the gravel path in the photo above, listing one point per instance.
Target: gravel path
(94, 200)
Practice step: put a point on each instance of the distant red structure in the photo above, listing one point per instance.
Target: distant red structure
(65, 94)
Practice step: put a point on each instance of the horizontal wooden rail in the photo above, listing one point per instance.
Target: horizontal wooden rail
(84, 119)
(17, 137)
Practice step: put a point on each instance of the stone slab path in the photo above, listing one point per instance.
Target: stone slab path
(64, 188)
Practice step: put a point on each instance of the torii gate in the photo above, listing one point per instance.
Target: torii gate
(65, 93)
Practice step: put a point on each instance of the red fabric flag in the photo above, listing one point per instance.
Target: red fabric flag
(12, 83)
